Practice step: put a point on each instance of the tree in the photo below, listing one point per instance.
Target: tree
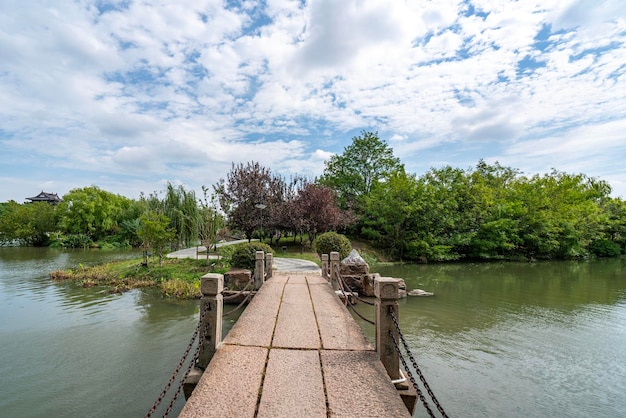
(210, 221)
(155, 234)
(29, 223)
(316, 210)
(91, 211)
(245, 187)
(389, 216)
(364, 163)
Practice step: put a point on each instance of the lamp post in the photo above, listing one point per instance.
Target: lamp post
(260, 206)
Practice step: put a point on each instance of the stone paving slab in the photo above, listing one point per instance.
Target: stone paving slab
(278, 337)
(296, 326)
(357, 385)
(255, 326)
(337, 328)
(230, 385)
(293, 385)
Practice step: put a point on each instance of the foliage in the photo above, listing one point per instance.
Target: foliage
(30, 223)
(210, 221)
(331, 241)
(181, 208)
(244, 255)
(155, 234)
(181, 289)
(364, 163)
(317, 210)
(178, 278)
(91, 211)
(245, 187)
(605, 248)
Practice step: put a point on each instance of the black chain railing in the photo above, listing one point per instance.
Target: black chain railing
(181, 363)
(417, 369)
(248, 288)
(346, 302)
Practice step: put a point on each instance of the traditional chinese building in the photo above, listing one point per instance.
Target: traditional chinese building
(51, 198)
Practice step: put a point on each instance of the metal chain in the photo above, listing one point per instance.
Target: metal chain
(235, 309)
(369, 321)
(367, 302)
(178, 368)
(415, 366)
(234, 295)
(411, 378)
(193, 362)
(345, 298)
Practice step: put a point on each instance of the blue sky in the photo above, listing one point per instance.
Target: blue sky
(128, 95)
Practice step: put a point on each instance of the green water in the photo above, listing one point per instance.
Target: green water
(519, 339)
(496, 340)
(66, 351)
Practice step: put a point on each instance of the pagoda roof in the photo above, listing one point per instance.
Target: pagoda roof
(45, 197)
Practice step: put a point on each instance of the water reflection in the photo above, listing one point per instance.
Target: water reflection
(519, 339)
(74, 352)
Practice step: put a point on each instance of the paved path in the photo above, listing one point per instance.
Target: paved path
(295, 352)
(281, 265)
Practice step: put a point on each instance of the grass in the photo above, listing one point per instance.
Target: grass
(178, 278)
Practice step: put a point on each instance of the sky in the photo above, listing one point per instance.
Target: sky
(130, 95)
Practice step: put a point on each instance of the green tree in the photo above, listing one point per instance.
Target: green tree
(91, 211)
(155, 234)
(30, 223)
(210, 221)
(390, 215)
(367, 161)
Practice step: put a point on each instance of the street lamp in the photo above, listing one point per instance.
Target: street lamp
(260, 206)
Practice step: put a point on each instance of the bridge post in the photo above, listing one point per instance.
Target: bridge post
(334, 270)
(259, 271)
(211, 309)
(387, 293)
(269, 260)
(325, 266)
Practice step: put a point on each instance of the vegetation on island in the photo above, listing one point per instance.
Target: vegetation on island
(480, 213)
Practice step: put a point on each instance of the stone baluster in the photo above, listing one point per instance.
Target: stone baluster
(325, 266)
(210, 338)
(334, 270)
(387, 293)
(259, 270)
(269, 260)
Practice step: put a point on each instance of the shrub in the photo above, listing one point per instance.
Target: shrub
(605, 248)
(244, 255)
(331, 241)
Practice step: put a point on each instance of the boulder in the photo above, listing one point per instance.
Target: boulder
(236, 278)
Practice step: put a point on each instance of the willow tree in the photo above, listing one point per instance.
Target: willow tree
(181, 208)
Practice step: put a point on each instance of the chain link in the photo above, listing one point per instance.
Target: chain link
(179, 367)
(411, 378)
(414, 362)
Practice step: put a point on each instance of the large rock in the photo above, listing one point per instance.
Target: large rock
(353, 269)
(236, 278)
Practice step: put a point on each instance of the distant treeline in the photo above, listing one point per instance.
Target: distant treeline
(486, 212)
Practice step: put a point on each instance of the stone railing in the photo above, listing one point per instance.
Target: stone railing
(386, 293)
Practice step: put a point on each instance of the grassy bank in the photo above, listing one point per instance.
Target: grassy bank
(178, 278)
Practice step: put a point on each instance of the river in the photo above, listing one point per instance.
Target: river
(496, 340)
(518, 339)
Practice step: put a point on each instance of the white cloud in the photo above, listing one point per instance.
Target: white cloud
(158, 90)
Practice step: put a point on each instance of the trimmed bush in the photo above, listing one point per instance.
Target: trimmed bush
(331, 241)
(244, 255)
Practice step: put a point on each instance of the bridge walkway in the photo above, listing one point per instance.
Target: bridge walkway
(295, 352)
